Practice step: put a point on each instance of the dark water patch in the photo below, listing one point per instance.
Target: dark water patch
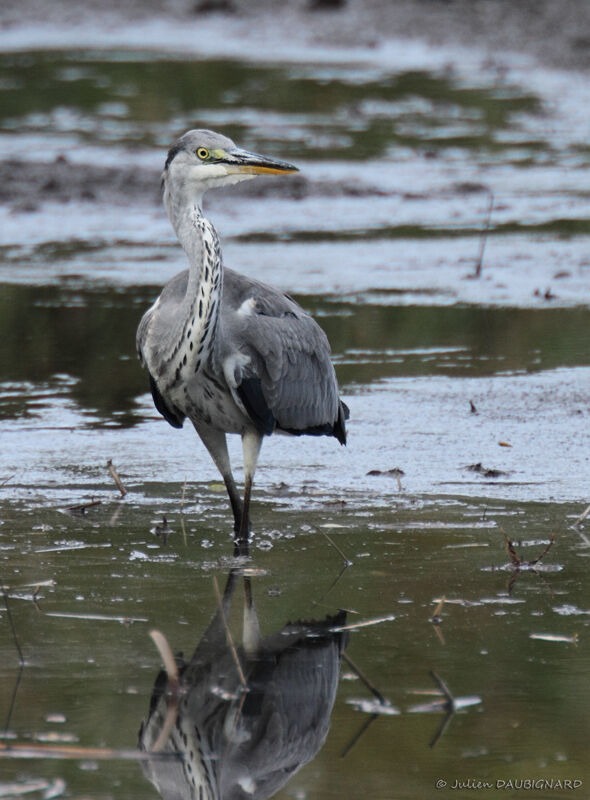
(373, 342)
(89, 335)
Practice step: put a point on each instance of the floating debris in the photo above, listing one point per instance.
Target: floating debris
(52, 737)
(555, 637)
(73, 752)
(66, 546)
(396, 473)
(162, 529)
(485, 472)
(441, 704)
(444, 702)
(81, 509)
(571, 611)
(50, 789)
(56, 718)
(373, 706)
(458, 601)
(96, 617)
(362, 624)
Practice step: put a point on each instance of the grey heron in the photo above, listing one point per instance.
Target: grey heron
(229, 353)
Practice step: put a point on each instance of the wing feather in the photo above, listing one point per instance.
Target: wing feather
(287, 352)
(171, 293)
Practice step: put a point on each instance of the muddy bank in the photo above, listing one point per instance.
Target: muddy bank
(26, 186)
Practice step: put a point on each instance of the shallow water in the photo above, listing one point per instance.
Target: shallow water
(476, 388)
(88, 658)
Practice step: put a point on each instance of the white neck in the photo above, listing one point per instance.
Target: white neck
(199, 311)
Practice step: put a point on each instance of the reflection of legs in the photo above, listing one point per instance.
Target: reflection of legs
(251, 632)
(251, 443)
(216, 444)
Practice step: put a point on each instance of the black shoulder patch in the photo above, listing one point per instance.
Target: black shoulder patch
(171, 153)
(172, 415)
(251, 395)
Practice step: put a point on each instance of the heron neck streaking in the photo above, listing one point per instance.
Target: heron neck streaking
(202, 160)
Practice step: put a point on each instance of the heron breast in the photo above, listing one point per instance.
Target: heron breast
(210, 401)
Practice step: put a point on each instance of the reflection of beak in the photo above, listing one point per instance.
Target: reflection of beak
(239, 160)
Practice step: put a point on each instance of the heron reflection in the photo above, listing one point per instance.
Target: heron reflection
(247, 716)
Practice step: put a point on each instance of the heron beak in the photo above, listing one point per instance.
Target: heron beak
(244, 161)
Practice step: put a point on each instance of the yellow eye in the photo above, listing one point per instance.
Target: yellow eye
(203, 153)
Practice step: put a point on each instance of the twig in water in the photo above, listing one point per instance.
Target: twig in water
(520, 565)
(443, 688)
(80, 510)
(438, 610)
(73, 752)
(358, 735)
(582, 517)
(4, 481)
(347, 561)
(171, 668)
(484, 235)
(162, 529)
(370, 686)
(34, 598)
(514, 557)
(167, 657)
(449, 707)
(545, 551)
(436, 619)
(375, 692)
(116, 478)
(362, 624)
(21, 660)
(182, 527)
(115, 515)
(345, 565)
(228, 635)
(332, 585)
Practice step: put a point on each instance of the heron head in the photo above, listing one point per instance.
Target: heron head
(202, 160)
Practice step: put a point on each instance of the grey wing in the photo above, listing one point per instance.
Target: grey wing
(147, 345)
(283, 375)
(286, 713)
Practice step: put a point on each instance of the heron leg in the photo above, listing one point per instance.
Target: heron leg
(251, 443)
(216, 444)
